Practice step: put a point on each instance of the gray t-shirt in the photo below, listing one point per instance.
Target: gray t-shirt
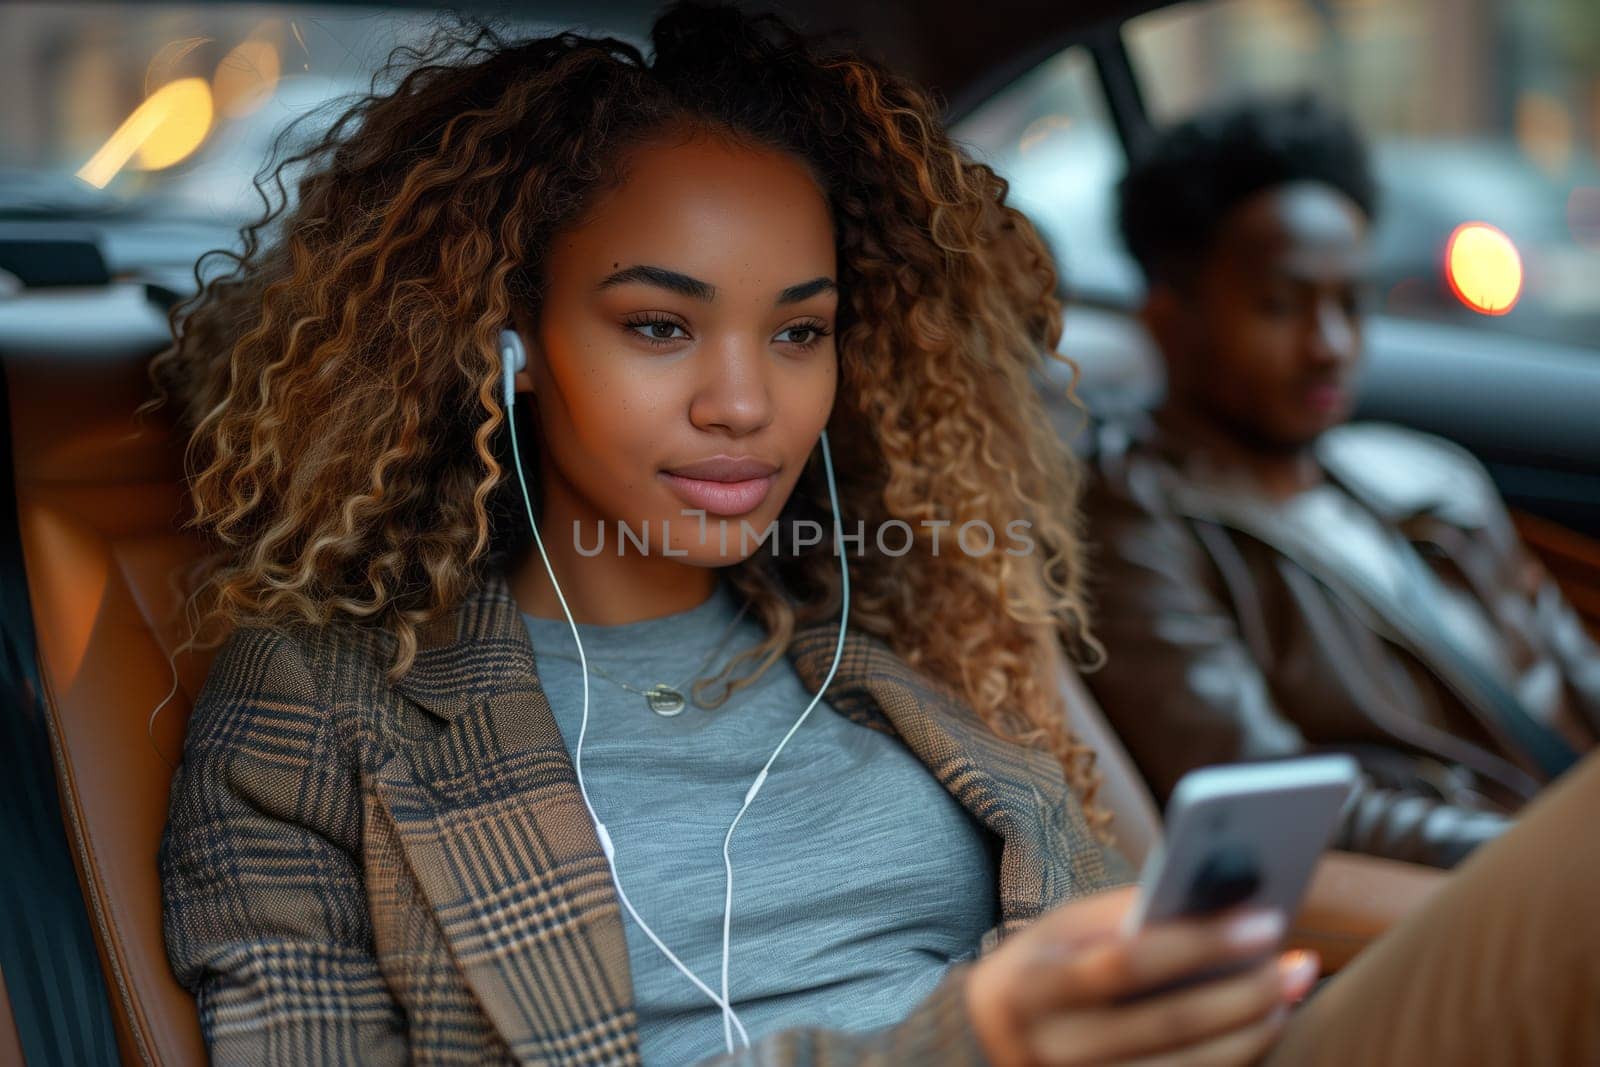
(857, 878)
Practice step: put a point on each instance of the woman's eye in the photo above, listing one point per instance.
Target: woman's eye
(663, 332)
(812, 333)
(657, 331)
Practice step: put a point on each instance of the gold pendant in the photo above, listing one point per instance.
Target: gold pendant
(664, 700)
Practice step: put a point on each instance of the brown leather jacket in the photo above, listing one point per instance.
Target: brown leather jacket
(1229, 637)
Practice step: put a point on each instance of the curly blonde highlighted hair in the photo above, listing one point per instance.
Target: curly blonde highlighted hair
(346, 452)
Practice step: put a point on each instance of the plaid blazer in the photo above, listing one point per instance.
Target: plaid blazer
(354, 871)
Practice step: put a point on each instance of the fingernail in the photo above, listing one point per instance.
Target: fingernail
(1298, 969)
(1254, 929)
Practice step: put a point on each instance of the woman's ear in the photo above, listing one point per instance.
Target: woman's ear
(514, 346)
(522, 382)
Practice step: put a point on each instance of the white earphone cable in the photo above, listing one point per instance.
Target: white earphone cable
(755, 787)
(508, 394)
(512, 360)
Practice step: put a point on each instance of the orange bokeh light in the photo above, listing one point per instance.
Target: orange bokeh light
(1483, 268)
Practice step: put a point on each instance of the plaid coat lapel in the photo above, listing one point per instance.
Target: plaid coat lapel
(490, 818)
(492, 824)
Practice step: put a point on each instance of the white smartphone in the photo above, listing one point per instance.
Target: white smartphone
(1243, 834)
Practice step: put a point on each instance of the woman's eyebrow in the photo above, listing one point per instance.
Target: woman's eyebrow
(796, 293)
(696, 289)
(663, 278)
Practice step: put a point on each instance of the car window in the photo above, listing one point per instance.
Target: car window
(170, 110)
(1484, 120)
(1050, 135)
(1477, 112)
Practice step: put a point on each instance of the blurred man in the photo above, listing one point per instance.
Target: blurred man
(1270, 581)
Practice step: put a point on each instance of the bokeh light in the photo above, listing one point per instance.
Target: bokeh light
(1483, 268)
(186, 104)
(166, 128)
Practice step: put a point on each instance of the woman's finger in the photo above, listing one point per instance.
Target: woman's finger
(1166, 1022)
(1243, 1046)
(1055, 976)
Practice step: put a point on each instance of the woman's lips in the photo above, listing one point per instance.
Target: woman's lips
(720, 498)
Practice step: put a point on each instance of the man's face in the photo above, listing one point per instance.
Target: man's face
(1268, 336)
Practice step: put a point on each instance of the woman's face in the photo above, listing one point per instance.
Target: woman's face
(684, 361)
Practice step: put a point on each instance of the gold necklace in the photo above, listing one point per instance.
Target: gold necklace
(666, 700)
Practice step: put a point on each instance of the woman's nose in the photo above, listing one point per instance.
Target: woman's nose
(734, 394)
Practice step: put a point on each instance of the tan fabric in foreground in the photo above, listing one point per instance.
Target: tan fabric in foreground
(1502, 966)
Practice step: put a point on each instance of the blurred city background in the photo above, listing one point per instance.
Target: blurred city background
(1485, 118)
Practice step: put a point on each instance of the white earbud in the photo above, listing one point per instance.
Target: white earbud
(514, 358)
(512, 352)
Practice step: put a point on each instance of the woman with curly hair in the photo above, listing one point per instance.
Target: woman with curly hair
(584, 407)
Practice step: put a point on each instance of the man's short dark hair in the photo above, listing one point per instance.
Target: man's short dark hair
(1182, 183)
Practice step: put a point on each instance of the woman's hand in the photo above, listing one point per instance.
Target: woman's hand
(1053, 993)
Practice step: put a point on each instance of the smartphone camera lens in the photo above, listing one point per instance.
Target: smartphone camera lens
(1230, 875)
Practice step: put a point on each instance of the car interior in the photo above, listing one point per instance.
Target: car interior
(93, 506)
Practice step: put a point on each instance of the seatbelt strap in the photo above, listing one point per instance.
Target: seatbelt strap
(1544, 746)
(1412, 629)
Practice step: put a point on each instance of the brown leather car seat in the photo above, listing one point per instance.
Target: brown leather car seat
(99, 509)
(100, 505)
